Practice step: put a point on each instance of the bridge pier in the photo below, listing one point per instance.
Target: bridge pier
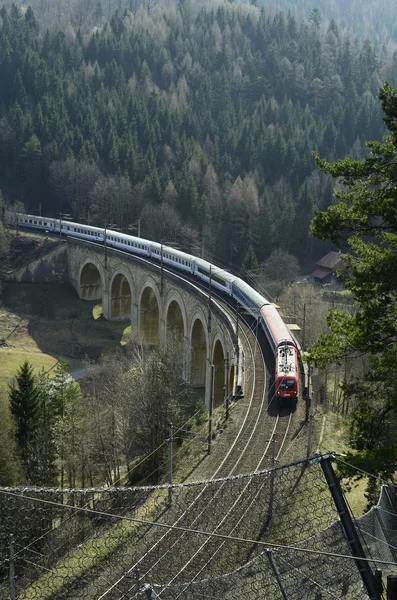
(162, 333)
(135, 321)
(106, 304)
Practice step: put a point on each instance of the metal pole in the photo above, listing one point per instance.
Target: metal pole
(12, 570)
(161, 271)
(60, 225)
(392, 587)
(310, 428)
(139, 228)
(272, 476)
(137, 579)
(209, 300)
(350, 531)
(308, 392)
(277, 574)
(304, 327)
(378, 581)
(106, 258)
(227, 386)
(237, 347)
(211, 409)
(170, 466)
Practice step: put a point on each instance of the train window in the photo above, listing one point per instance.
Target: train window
(30, 220)
(35, 222)
(67, 227)
(40, 223)
(45, 223)
(287, 384)
(218, 280)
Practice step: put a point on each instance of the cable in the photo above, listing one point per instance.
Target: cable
(193, 531)
(362, 532)
(308, 578)
(384, 481)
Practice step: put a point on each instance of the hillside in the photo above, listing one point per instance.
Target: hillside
(199, 123)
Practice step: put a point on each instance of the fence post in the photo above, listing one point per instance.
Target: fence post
(170, 466)
(12, 570)
(348, 526)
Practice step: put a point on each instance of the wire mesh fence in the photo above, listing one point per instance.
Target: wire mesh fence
(378, 528)
(272, 534)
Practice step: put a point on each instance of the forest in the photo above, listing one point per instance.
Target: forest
(198, 122)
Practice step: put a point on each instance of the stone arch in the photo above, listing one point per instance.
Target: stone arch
(149, 314)
(121, 295)
(175, 321)
(218, 360)
(91, 280)
(199, 346)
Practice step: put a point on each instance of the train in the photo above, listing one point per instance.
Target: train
(282, 343)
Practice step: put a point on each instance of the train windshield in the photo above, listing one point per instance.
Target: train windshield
(287, 384)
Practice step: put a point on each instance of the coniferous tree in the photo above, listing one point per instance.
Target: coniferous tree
(364, 220)
(25, 408)
(250, 263)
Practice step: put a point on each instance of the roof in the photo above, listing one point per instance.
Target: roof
(332, 260)
(321, 272)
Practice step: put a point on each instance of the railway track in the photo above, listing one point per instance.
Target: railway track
(219, 506)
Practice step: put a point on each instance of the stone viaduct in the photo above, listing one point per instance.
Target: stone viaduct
(164, 310)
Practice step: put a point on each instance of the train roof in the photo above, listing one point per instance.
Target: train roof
(252, 294)
(286, 360)
(80, 225)
(126, 236)
(278, 329)
(204, 264)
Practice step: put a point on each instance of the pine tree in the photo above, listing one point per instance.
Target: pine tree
(364, 218)
(250, 262)
(25, 409)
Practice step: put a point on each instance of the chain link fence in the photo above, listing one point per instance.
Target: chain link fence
(273, 534)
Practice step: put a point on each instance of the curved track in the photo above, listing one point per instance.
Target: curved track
(175, 556)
